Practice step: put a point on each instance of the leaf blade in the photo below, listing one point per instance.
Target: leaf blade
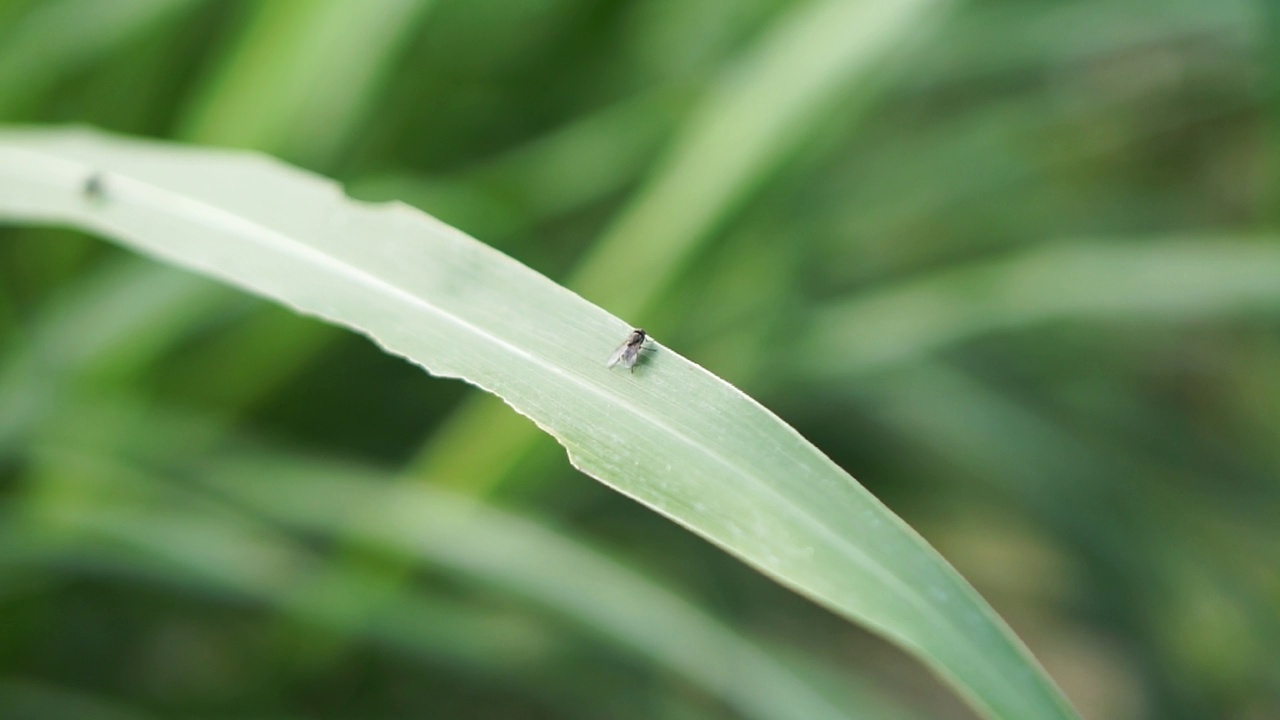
(671, 435)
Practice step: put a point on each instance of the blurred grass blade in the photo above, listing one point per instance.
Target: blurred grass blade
(21, 698)
(140, 528)
(671, 435)
(302, 75)
(990, 38)
(819, 53)
(113, 322)
(534, 561)
(57, 37)
(1178, 279)
(85, 505)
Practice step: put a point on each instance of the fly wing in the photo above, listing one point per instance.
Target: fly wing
(630, 357)
(618, 354)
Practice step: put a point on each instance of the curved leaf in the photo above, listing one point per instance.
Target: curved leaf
(671, 435)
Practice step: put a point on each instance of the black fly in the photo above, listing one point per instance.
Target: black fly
(629, 351)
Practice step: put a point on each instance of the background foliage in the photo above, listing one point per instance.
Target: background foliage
(1015, 275)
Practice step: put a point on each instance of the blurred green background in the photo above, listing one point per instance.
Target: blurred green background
(1012, 263)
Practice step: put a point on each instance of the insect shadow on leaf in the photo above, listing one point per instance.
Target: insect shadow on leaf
(95, 187)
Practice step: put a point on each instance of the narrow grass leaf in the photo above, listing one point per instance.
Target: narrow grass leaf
(1174, 279)
(671, 435)
(57, 37)
(213, 542)
(302, 75)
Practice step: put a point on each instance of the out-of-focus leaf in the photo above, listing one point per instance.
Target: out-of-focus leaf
(302, 75)
(58, 36)
(111, 322)
(536, 562)
(1174, 279)
(91, 512)
(30, 699)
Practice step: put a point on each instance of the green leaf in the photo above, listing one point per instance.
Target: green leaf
(1176, 279)
(301, 75)
(96, 511)
(58, 37)
(114, 321)
(671, 435)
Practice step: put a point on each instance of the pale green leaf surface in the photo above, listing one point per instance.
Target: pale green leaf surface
(671, 435)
